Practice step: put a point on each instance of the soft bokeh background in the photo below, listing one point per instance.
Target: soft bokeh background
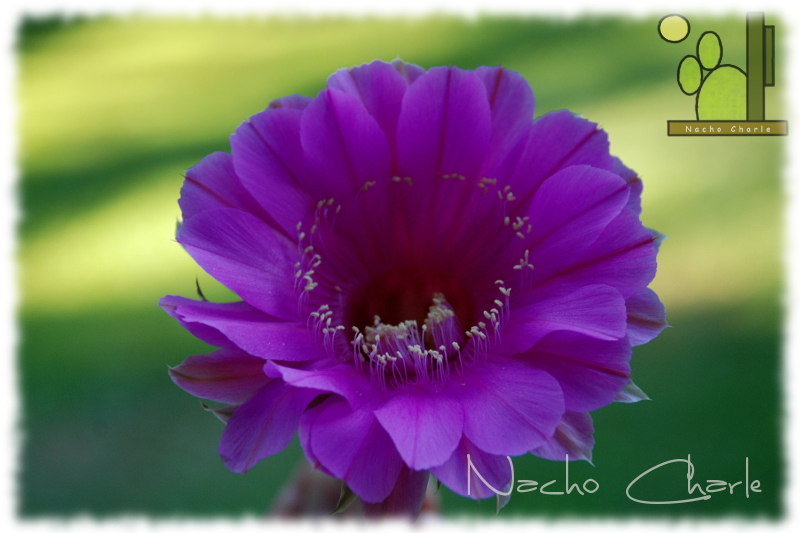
(112, 112)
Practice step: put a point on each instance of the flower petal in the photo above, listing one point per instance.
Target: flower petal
(590, 371)
(263, 425)
(444, 126)
(380, 87)
(307, 420)
(227, 376)
(243, 326)
(425, 425)
(268, 158)
(634, 184)
(510, 407)
(342, 379)
(409, 71)
(646, 317)
(213, 184)
(465, 479)
(406, 497)
(569, 212)
(356, 449)
(343, 144)
(511, 103)
(623, 256)
(558, 140)
(208, 334)
(573, 438)
(245, 255)
(594, 310)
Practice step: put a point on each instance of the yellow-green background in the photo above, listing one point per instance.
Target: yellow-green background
(112, 112)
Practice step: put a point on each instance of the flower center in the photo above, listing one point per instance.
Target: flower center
(405, 330)
(406, 294)
(406, 352)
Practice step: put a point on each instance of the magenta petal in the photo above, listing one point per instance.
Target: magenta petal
(623, 256)
(356, 449)
(245, 255)
(634, 184)
(511, 103)
(227, 376)
(245, 327)
(558, 140)
(343, 379)
(646, 317)
(590, 371)
(461, 478)
(380, 87)
(294, 101)
(307, 420)
(510, 407)
(406, 497)
(568, 213)
(573, 438)
(208, 334)
(595, 310)
(213, 184)
(344, 145)
(263, 425)
(269, 159)
(425, 425)
(444, 126)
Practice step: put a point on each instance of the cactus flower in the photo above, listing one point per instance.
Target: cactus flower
(425, 272)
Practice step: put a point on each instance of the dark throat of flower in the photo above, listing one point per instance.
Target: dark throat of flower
(406, 331)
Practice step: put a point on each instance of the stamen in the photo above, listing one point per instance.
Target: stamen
(519, 222)
(407, 352)
(506, 194)
(527, 268)
(485, 183)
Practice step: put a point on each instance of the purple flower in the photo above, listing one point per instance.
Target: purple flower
(426, 273)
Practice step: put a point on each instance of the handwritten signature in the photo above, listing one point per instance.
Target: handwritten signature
(591, 486)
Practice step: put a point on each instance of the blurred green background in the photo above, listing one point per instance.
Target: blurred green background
(112, 112)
